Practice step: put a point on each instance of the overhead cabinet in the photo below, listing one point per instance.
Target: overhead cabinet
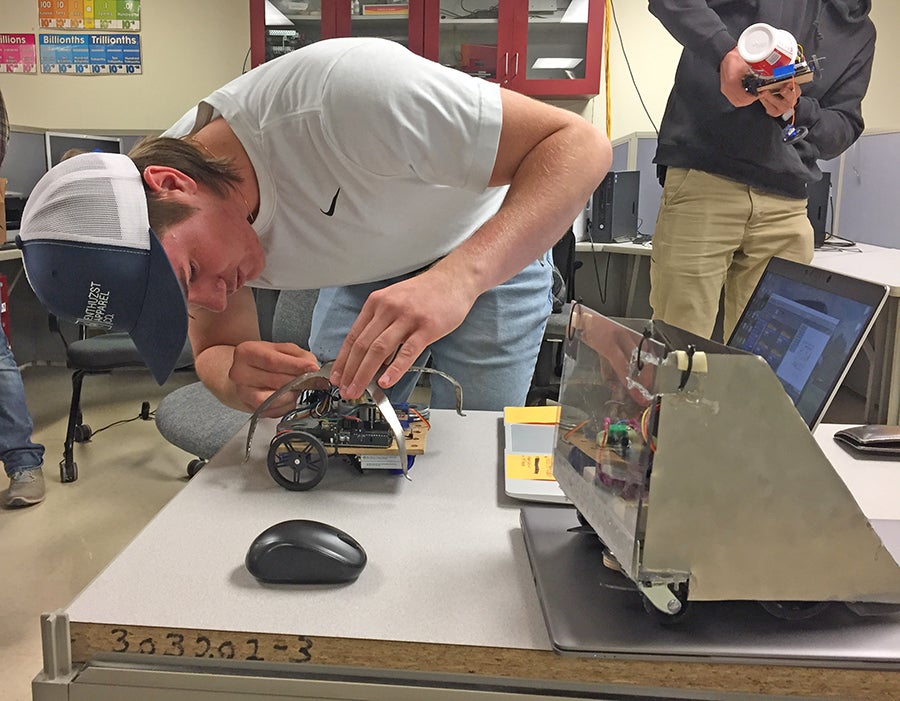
(542, 48)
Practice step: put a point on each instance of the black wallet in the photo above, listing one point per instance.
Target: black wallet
(872, 439)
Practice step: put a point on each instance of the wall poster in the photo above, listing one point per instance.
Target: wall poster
(90, 14)
(90, 54)
(18, 53)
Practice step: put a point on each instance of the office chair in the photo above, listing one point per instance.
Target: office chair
(94, 355)
(192, 419)
(548, 367)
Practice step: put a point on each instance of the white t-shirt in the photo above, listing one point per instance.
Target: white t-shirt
(371, 161)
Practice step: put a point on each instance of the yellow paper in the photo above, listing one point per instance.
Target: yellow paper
(532, 414)
(531, 458)
(529, 467)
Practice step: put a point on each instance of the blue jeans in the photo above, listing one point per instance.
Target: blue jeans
(17, 451)
(491, 354)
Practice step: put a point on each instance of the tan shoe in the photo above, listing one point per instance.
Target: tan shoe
(25, 488)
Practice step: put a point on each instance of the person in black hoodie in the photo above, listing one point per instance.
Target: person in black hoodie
(734, 192)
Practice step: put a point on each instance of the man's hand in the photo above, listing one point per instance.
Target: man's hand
(782, 101)
(731, 76)
(259, 368)
(394, 326)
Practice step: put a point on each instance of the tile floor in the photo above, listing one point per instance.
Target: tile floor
(50, 552)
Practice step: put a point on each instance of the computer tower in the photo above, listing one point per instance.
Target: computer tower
(818, 195)
(614, 207)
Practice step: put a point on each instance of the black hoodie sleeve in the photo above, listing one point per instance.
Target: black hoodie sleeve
(696, 27)
(835, 120)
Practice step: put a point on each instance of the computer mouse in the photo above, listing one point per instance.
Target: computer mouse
(305, 552)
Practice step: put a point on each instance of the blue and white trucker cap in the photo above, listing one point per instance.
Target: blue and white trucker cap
(92, 259)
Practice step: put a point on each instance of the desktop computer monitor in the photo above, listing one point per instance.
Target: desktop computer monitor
(57, 143)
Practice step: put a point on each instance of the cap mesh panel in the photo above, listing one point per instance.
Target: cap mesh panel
(100, 205)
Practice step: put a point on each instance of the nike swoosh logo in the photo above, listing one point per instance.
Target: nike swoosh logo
(330, 211)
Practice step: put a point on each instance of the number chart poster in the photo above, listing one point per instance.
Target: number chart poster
(18, 53)
(90, 54)
(90, 14)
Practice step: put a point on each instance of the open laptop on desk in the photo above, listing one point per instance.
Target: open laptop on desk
(808, 324)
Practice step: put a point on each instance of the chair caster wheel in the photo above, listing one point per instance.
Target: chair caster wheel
(194, 466)
(82, 433)
(68, 472)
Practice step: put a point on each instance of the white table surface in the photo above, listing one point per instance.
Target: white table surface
(864, 261)
(447, 562)
(873, 481)
(446, 558)
(627, 248)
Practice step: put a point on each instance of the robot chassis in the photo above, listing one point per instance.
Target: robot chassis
(324, 425)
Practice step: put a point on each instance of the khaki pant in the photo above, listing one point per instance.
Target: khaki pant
(711, 233)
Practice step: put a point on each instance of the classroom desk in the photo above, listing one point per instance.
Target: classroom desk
(10, 254)
(881, 265)
(447, 597)
(865, 261)
(636, 257)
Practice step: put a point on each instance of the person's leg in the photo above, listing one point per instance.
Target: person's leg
(702, 220)
(335, 311)
(22, 458)
(493, 352)
(778, 227)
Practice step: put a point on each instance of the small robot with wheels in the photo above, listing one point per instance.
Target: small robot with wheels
(776, 59)
(323, 425)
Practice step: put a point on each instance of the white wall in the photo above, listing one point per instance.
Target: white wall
(189, 47)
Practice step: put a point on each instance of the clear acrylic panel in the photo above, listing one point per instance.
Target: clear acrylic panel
(605, 437)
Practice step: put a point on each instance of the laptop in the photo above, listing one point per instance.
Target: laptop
(808, 324)
(592, 610)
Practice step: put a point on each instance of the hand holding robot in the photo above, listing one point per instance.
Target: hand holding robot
(769, 65)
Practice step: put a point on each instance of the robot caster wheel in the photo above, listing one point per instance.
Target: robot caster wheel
(794, 610)
(669, 619)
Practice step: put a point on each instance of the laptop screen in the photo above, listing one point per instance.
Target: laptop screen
(808, 324)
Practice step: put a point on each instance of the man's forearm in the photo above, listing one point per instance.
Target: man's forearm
(550, 187)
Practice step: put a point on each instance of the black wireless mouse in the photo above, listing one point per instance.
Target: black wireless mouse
(305, 552)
